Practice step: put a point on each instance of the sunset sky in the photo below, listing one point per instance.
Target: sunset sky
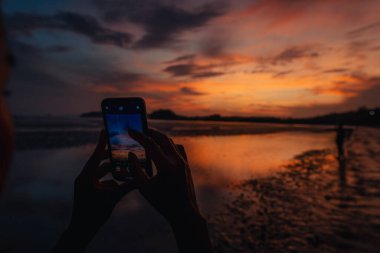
(197, 57)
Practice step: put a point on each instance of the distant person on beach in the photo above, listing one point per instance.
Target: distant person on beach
(170, 192)
(340, 138)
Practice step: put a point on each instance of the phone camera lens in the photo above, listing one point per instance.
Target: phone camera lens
(137, 107)
(121, 108)
(107, 107)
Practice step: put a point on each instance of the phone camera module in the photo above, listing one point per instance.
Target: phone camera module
(107, 107)
(121, 108)
(138, 107)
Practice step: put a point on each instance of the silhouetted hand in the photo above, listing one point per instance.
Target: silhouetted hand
(94, 200)
(171, 191)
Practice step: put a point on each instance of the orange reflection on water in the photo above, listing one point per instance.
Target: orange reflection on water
(227, 159)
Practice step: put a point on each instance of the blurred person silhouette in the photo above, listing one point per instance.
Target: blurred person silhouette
(340, 138)
(170, 192)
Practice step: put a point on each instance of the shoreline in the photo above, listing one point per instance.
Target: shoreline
(53, 134)
(28, 140)
(317, 204)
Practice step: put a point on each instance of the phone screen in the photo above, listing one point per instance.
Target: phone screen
(120, 115)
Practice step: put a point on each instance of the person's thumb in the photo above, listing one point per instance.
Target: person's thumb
(136, 170)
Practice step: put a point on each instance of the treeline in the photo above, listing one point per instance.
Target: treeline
(362, 116)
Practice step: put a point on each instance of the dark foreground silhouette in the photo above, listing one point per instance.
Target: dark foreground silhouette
(170, 192)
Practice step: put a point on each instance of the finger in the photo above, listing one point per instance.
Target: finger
(163, 141)
(102, 141)
(101, 146)
(190, 185)
(182, 151)
(121, 174)
(135, 167)
(97, 155)
(100, 149)
(189, 177)
(102, 170)
(151, 147)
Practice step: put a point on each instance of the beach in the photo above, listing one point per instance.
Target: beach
(262, 187)
(316, 204)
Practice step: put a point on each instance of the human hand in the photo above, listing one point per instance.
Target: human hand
(171, 191)
(94, 200)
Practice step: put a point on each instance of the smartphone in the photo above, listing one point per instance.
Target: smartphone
(119, 114)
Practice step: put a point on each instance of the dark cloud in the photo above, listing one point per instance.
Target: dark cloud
(31, 68)
(58, 49)
(375, 48)
(214, 46)
(33, 85)
(368, 97)
(191, 91)
(28, 48)
(282, 73)
(117, 77)
(24, 49)
(291, 54)
(205, 74)
(126, 10)
(116, 81)
(192, 70)
(27, 23)
(162, 23)
(358, 45)
(365, 98)
(349, 85)
(361, 30)
(275, 73)
(185, 57)
(335, 70)
(180, 69)
(38, 90)
(261, 70)
(167, 23)
(40, 78)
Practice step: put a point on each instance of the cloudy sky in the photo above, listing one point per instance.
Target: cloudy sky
(197, 57)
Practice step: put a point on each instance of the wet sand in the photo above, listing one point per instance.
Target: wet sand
(317, 204)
